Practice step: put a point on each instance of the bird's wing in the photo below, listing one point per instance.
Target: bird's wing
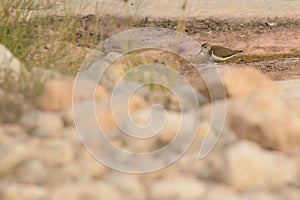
(223, 51)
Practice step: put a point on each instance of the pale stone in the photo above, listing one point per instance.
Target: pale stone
(106, 117)
(129, 185)
(67, 116)
(260, 195)
(10, 66)
(242, 82)
(13, 130)
(177, 188)
(58, 93)
(209, 168)
(42, 124)
(12, 104)
(4, 138)
(269, 122)
(219, 191)
(18, 191)
(288, 192)
(97, 190)
(289, 89)
(53, 152)
(249, 166)
(72, 171)
(12, 154)
(32, 171)
(68, 173)
(70, 134)
(93, 167)
(156, 128)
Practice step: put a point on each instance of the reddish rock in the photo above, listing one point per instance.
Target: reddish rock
(58, 93)
(265, 120)
(242, 82)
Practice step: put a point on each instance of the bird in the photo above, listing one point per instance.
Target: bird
(217, 53)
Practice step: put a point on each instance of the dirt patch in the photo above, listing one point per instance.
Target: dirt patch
(270, 45)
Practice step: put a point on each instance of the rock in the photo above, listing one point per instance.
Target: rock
(11, 68)
(105, 116)
(289, 89)
(208, 81)
(260, 195)
(219, 191)
(52, 152)
(13, 130)
(4, 138)
(97, 190)
(71, 172)
(112, 75)
(32, 171)
(163, 125)
(209, 168)
(93, 167)
(68, 173)
(12, 154)
(128, 184)
(42, 124)
(12, 106)
(68, 117)
(288, 193)
(269, 122)
(295, 105)
(18, 191)
(187, 100)
(70, 134)
(145, 118)
(248, 166)
(58, 93)
(242, 82)
(113, 69)
(237, 83)
(177, 188)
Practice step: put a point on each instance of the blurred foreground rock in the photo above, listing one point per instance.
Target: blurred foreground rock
(11, 69)
(257, 156)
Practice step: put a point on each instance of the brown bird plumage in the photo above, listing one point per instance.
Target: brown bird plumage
(217, 53)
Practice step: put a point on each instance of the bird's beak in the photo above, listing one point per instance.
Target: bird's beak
(200, 52)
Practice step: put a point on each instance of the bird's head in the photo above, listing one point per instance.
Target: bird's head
(205, 47)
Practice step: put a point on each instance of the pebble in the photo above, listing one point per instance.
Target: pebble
(128, 184)
(54, 152)
(220, 191)
(96, 190)
(12, 154)
(32, 171)
(58, 93)
(42, 124)
(177, 188)
(259, 195)
(20, 191)
(10, 66)
(241, 82)
(273, 124)
(248, 166)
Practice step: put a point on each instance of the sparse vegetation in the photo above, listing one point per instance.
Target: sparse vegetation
(38, 40)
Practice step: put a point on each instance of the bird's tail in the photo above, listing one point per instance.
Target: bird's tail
(238, 51)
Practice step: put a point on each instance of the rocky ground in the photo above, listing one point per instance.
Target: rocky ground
(257, 156)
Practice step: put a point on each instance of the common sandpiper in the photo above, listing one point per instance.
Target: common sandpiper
(217, 53)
